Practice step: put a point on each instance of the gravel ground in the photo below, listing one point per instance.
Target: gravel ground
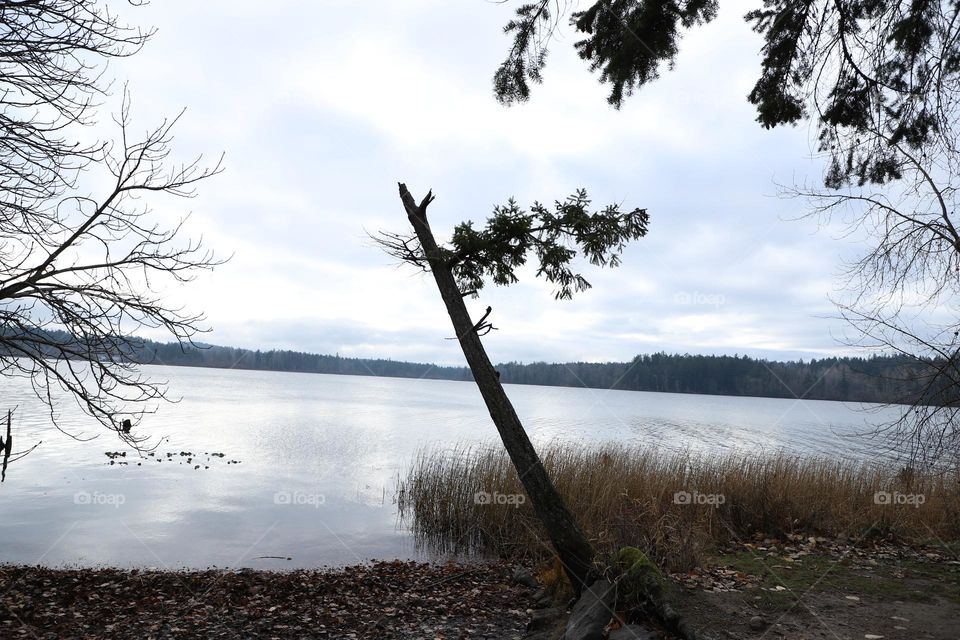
(380, 600)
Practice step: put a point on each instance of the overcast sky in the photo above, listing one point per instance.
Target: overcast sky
(321, 107)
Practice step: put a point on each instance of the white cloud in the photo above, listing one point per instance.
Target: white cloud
(322, 107)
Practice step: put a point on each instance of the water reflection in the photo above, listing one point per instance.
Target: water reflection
(319, 457)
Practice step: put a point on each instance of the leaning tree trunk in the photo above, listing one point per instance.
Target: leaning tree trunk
(571, 545)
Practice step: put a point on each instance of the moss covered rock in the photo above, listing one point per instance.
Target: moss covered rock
(640, 579)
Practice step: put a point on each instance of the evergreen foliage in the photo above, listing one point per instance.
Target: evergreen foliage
(875, 379)
(554, 237)
(874, 75)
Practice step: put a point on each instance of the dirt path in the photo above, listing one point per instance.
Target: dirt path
(827, 590)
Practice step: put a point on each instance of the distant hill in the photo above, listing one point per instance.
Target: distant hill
(884, 379)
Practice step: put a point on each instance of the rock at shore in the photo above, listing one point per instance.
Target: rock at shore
(592, 612)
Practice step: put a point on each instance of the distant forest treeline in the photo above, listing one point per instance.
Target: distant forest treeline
(874, 379)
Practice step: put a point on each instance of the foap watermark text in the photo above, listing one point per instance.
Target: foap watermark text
(299, 498)
(514, 499)
(97, 498)
(897, 498)
(687, 497)
(699, 298)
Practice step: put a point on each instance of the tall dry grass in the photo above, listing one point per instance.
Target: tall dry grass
(628, 496)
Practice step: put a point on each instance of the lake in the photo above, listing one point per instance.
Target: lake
(318, 460)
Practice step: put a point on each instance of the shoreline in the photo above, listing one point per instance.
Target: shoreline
(864, 403)
(389, 599)
(795, 587)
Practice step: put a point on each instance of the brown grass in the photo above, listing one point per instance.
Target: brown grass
(625, 496)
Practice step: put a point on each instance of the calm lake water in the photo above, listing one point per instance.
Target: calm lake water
(319, 456)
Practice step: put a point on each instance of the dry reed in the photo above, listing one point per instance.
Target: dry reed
(675, 506)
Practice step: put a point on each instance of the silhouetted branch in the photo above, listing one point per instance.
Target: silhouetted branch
(482, 327)
(70, 301)
(405, 248)
(51, 79)
(902, 287)
(6, 449)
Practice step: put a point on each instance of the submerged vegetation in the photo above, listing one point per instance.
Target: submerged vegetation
(676, 507)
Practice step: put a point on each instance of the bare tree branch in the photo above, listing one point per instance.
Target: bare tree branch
(81, 275)
(901, 294)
